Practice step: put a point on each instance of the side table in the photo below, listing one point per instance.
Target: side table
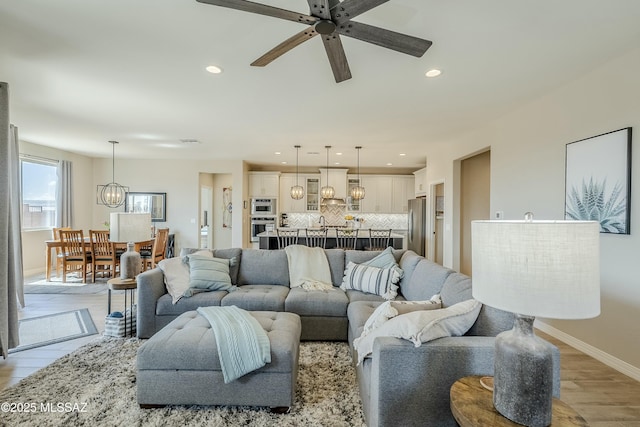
(129, 286)
(472, 406)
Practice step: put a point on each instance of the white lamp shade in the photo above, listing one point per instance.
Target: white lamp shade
(538, 268)
(129, 227)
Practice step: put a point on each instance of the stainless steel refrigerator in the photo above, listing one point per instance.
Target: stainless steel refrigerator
(417, 225)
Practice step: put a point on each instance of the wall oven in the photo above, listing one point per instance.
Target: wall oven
(261, 224)
(263, 207)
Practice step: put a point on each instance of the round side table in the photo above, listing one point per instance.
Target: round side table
(129, 286)
(472, 406)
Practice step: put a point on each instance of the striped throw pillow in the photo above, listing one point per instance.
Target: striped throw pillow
(372, 280)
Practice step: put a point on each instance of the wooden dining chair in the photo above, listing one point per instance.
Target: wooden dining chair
(145, 249)
(316, 238)
(346, 239)
(159, 249)
(103, 254)
(378, 240)
(74, 253)
(287, 237)
(56, 236)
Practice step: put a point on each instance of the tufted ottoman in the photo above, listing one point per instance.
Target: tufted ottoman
(179, 365)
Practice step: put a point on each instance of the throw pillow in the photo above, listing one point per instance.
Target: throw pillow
(423, 326)
(384, 260)
(372, 280)
(176, 277)
(390, 309)
(208, 274)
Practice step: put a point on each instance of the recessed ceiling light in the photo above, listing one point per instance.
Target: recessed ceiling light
(277, 153)
(403, 154)
(338, 154)
(389, 164)
(337, 163)
(214, 69)
(433, 73)
(284, 163)
(190, 141)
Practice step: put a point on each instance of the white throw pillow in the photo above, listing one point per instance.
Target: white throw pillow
(372, 280)
(176, 275)
(390, 309)
(423, 326)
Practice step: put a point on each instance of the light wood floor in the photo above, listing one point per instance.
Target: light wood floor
(602, 395)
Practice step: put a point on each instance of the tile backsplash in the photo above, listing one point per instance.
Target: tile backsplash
(336, 217)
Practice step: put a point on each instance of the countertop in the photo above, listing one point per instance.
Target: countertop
(331, 232)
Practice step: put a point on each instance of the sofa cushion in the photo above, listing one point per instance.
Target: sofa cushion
(230, 254)
(336, 265)
(456, 288)
(263, 267)
(332, 303)
(423, 326)
(176, 274)
(358, 313)
(408, 263)
(491, 321)
(427, 280)
(165, 307)
(208, 273)
(257, 297)
(373, 280)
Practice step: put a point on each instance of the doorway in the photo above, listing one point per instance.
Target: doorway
(438, 227)
(475, 188)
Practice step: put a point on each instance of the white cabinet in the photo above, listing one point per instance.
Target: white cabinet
(420, 183)
(353, 205)
(287, 204)
(402, 191)
(312, 193)
(337, 180)
(377, 198)
(264, 184)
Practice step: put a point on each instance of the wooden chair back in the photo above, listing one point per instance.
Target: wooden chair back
(287, 237)
(316, 238)
(346, 239)
(74, 253)
(56, 236)
(160, 246)
(379, 239)
(103, 255)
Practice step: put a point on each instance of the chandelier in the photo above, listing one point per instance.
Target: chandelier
(113, 194)
(297, 191)
(357, 193)
(327, 192)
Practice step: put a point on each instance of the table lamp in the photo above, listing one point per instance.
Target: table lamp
(130, 228)
(548, 269)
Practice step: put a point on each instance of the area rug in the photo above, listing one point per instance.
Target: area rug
(96, 386)
(53, 328)
(39, 285)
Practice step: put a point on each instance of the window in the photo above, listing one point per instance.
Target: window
(39, 192)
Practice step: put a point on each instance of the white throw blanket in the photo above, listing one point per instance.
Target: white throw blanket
(308, 268)
(243, 345)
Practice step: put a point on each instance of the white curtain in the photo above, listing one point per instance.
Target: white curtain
(11, 277)
(65, 195)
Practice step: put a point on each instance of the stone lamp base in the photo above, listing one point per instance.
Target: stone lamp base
(523, 378)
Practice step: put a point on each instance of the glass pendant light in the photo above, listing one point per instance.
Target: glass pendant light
(357, 193)
(297, 191)
(113, 194)
(327, 192)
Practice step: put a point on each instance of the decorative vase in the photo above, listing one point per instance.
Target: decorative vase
(130, 263)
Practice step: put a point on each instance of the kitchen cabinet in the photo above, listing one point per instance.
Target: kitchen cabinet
(353, 205)
(420, 182)
(312, 193)
(378, 194)
(337, 179)
(264, 184)
(287, 204)
(402, 191)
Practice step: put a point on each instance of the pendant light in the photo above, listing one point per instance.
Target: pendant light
(357, 193)
(297, 191)
(113, 194)
(327, 192)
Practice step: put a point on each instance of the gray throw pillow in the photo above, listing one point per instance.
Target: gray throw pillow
(208, 274)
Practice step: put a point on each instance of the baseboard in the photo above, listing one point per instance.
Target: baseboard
(609, 360)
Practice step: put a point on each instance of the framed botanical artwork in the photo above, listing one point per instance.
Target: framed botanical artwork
(153, 203)
(598, 181)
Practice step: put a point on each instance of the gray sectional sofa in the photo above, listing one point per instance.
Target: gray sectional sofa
(400, 384)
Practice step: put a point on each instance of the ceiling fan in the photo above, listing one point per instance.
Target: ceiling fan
(330, 19)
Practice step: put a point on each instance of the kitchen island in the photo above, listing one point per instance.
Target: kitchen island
(269, 239)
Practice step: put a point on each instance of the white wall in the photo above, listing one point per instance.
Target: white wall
(527, 174)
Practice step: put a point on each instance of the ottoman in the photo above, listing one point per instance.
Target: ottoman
(179, 365)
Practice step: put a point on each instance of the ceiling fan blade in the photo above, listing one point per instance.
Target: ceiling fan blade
(337, 57)
(320, 8)
(263, 9)
(284, 47)
(349, 9)
(390, 39)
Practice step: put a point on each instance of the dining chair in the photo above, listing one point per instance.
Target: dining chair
(103, 254)
(74, 253)
(316, 238)
(346, 239)
(159, 249)
(56, 236)
(145, 249)
(287, 237)
(378, 240)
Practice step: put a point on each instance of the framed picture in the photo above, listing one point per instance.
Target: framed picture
(153, 203)
(598, 181)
